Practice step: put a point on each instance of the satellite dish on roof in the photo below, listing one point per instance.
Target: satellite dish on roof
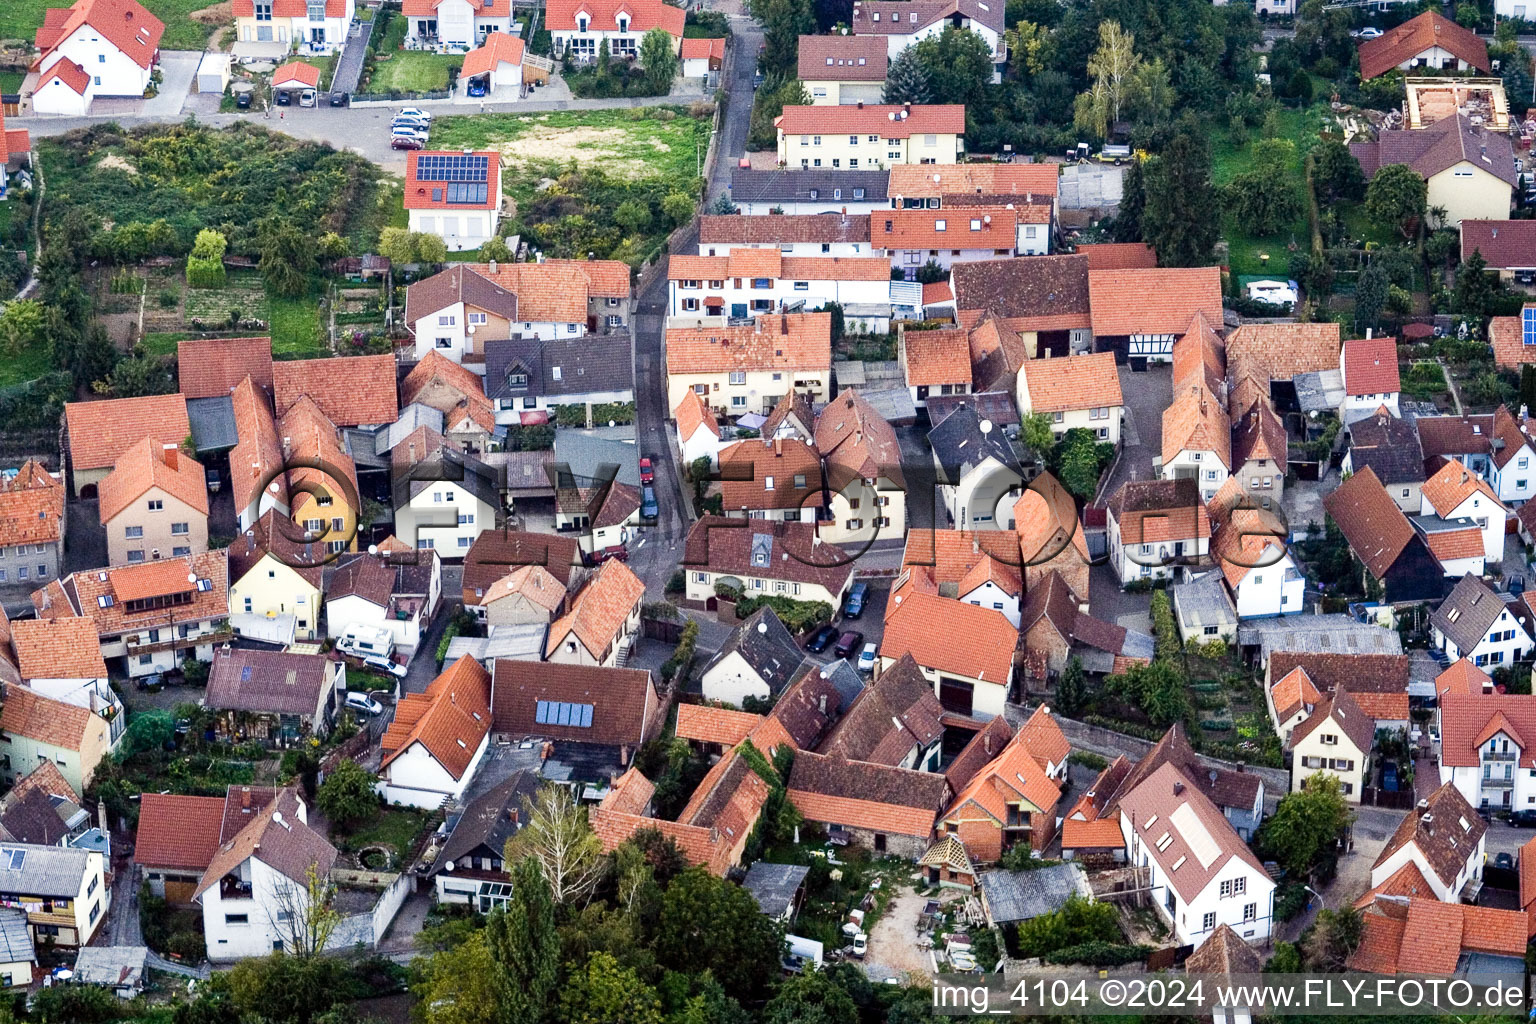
(986, 426)
(373, 549)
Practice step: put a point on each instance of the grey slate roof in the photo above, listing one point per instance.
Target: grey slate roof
(1025, 895)
(1391, 449)
(774, 886)
(845, 679)
(1330, 633)
(487, 821)
(1468, 612)
(111, 966)
(586, 454)
(586, 365)
(15, 937)
(213, 423)
(765, 645)
(42, 870)
(447, 464)
(265, 682)
(412, 416)
(796, 186)
(959, 445)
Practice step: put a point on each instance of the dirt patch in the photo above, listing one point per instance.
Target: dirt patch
(215, 14)
(113, 161)
(894, 941)
(619, 152)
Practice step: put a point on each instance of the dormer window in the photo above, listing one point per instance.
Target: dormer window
(623, 20)
(582, 21)
(517, 380)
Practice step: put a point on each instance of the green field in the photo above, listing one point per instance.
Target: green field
(19, 19)
(212, 305)
(411, 71)
(1229, 160)
(10, 81)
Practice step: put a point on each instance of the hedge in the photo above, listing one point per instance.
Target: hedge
(1099, 954)
(797, 616)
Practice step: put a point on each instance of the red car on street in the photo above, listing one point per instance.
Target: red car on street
(647, 470)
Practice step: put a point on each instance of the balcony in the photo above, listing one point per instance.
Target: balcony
(1497, 782)
(176, 643)
(232, 888)
(1502, 756)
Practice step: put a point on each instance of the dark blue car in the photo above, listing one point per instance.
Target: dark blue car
(648, 507)
(853, 606)
(476, 87)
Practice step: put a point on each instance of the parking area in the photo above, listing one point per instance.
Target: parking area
(1147, 393)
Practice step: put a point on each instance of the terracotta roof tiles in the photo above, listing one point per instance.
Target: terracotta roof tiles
(65, 649)
(708, 724)
(31, 506)
(600, 610)
(937, 357)
(350, 391)
(1160, 301)
(1073, 383)
(1370, 366)
(951, 636)
(212, 367)
(1429, 30)
(794, 341)
(149, 465)
(100, 432)
(178, 831)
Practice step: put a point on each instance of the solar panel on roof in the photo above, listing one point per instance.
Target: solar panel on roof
(452, 168)
(1528, 326)
(460, 192)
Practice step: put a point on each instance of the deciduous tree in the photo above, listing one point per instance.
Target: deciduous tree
(1305, 825)
(287, 260)
(601, 991)
(1266, 196)
(958, 66)
(810, 999)
(1336, 173)
(659, 60)
(1475, 288)
(559, 841)
(347, 795)
(708, 923)
(1396, 198)
(23, 324)
(1111, 68)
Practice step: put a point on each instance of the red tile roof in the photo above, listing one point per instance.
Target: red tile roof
(74, 77)
(1375, 527)
(51, 722)
(100, 432)
(1454, 484)
(794, 341)
(65, 649)
(498, 48)
(783, 474)
(691, 414)
(1505, 244)
(836, 791)
(951, 636)
(704, 49)
(1270, 352)
(937, 357)
(889, 121)
(212, 367)
(31, 506)
(351, 391)
(1196, 422)
(449, 720)
(1370, 366)
(1073, 383)
(1464, 718)
(988, 181)
(839, 58)
(1429, 30)
(123, 23)
(708, 724)
(147, 466)
(1014, 775)
(1142, 301)
(1509, 350)
(602, 15)
(178, 831)
(1466, 679)
(1119, 255)
(430, 195)
(1449, 545)
(1294, 692)
(296, 72)
(600, 610)
(982, 227)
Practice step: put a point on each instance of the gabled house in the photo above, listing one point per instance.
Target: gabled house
(819, 191)
(1197, 440)
(1389, 447)
(762, 559)
(1257, 564)
(455, 196)
(1391, 551)
(758, 660)
(214, 367)
(351, 391)
(1444, 838)
(1470, 171)
(840, 69)
(595, 719)
(1075, 391)
(1051, 536)
(698, 432)
(978, 472)
(883, 809)
(394, 592)
(100, 432)
(321, 478)
(1045, 300)
(15, 151)
(448, 25)
(1055, 630)
(1378, 683)
(1154, 525)
(433, 745)
(913, 238)
(154, 503)
(32, 523)
(602, 622)
(895, 721)
(714, 730)
(43, 808)
(1455, 492)
(255, 891)
(1290, 700)
(62, 661)
(496, 553)
(1371, 381)
(772, 480)
(1429, 41)
(275, 582)
(309, 26)
(1464, 678)
(749, 368)
(527, 594)
(750, 282)
(153, 615)
(1467, 939)
(1143, 312)
(965, 651)
(1514, 449)
(978, 567)
(582, 27)
(94, 48)
(1465, 439)
(1337, 737)
(62, 891)
(603, 516)
(1260, 451)
(442, 384)
(935, 363)
(905, 24)
(1200, 872)
(444, 498)
(1486, 749)
(1509, 249)
(276, 697)
(529, 377)
(496, 63)
(39, 729)
(1475, 623)
(1009, 802)
(469, 868)
(1273, 353)
(871, 136)
(861, 470)
(793, 235)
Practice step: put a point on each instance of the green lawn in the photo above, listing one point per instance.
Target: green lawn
(10, 81)
(396, 828)
(412, 71)
(25, 365)
(19, 19)
(327, 66)
(1229, 160)
(164, 343)
(296, 327)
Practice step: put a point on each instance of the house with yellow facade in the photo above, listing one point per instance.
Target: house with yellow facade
(742, 368)
(1470, 171)
(274, 582)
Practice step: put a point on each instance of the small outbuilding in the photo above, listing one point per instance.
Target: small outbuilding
(18, 956)
(119, 968)
(213, 73)
(1008, 897)
(778, 888)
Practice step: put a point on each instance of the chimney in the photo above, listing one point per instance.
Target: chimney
(1463, 476)
(821, 703)
(493, 265)
(1368, 334)
(1178, 789)
(861, 104)
(169, 456)
(245, 798)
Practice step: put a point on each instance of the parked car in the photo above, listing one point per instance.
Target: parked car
(406, 142)
(1369, 32)
(648, 507)
(281, 98)
(848, 643)
(1523, 819)
(853, 604)
(307, 98)
(357, 700)
(602, 555)
(860, 945)
(243, 101)
(867, 658)
(412, 131)
(416, 112)
(647, 470)
(476, 87)
(389, 665)
(821, 639)
(153, 681)
(1505, 861)
(411, 122)
(338, 98)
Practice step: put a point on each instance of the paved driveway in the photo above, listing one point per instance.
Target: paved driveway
(178, 70)
(1147, 393)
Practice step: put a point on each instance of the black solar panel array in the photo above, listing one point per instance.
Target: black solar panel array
(455, 167)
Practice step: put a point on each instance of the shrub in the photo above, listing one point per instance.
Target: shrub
(797, 616)
(1099, 954)
(1211, 650)
(682, 654)
(1088, 759)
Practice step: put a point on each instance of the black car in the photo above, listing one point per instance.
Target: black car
(1523, 819)
(848, 643)
(243, 101)
(821, 639)
(853, 606)
(1505, 861)
(282, 98)
(338, 98)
